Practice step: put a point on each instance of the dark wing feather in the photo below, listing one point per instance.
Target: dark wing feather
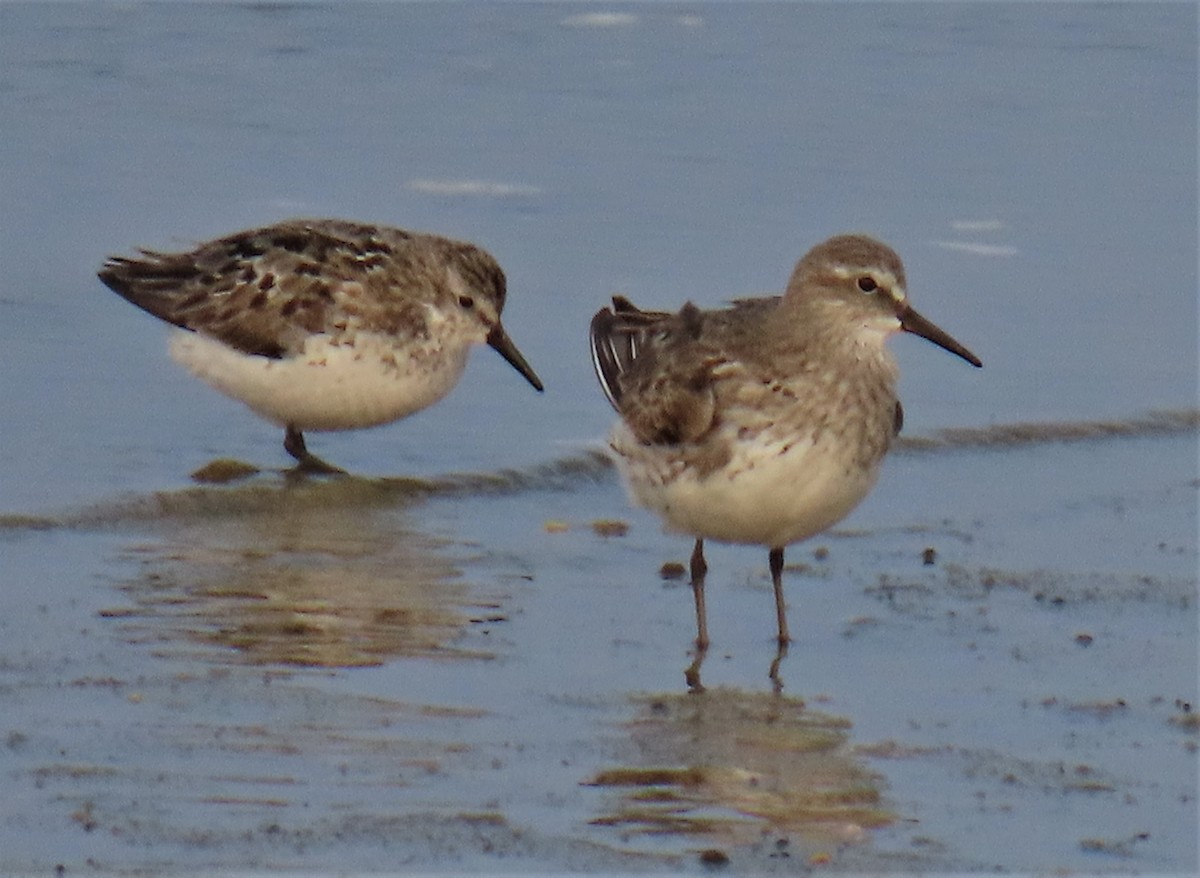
(618, 336)
(264, 291)
(655, 370)
(609, 351)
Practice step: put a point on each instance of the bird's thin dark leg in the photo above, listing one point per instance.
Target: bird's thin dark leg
(776, 562)
(293, 444)
(699, 570)
(780, 654)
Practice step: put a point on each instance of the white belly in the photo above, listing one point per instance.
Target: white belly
(328, 387)
(765, 496)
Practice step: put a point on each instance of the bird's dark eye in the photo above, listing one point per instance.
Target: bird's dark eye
(867, 284)
(466, 302)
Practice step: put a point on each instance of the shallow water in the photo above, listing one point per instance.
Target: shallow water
(450, 661)
(357, 673)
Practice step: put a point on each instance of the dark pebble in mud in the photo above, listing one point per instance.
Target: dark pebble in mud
(714, 857)
(608, 527)
(672, 570)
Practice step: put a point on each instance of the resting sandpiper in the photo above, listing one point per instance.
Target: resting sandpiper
(766, 422)
(325, 324)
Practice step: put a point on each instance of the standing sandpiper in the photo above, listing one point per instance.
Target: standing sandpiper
(764, 423)
(325, 324)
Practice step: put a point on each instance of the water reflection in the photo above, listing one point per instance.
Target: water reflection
(725, 766)
(301, 584)
(691, 674)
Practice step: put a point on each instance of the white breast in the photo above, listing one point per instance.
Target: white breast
(773, 494)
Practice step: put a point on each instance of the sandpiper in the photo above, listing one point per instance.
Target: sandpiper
(766, 422)
(323, 324)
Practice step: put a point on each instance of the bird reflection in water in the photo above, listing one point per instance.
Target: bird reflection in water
(308, 583)
(726, 766)
(691, 673)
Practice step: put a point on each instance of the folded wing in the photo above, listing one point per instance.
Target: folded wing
(655, 370)
(265, 291)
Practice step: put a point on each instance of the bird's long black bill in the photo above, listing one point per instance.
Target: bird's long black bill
(503, 345)
(911, 321)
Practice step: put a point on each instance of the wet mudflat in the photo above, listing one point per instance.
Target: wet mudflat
(391, 675)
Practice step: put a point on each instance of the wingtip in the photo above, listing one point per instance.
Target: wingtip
(605, 361)
(621, 305)
(109, 272)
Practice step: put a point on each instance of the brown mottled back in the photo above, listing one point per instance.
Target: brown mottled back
(265, 290)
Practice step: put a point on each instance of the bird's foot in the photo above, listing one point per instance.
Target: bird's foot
(311, 465)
